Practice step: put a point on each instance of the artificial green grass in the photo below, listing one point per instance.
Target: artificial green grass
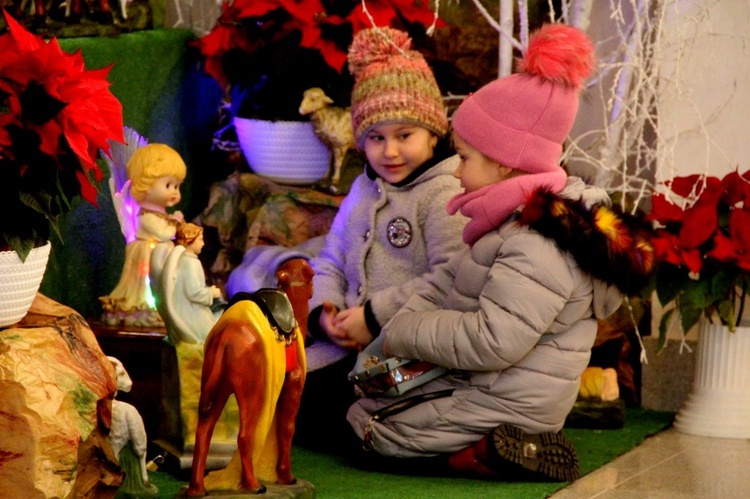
(335, 479)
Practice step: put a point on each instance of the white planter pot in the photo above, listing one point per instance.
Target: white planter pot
(719, 403)
(287, 152)
(19, 282)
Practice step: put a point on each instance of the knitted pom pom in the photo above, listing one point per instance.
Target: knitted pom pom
(559, 53)
(376, 45)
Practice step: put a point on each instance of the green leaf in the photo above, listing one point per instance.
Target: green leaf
(55, 226)
(40, 202)
(725, 311)
(696, 294)
(689, 316)
(722, 283)
(22, 246)
(669, 283)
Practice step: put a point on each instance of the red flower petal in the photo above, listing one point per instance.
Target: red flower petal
(739, 229)
(91, 117)
(24, 39)
(733, 188)
(666, 247)
(683, 186)
(331, 53)
(663, 211)
(723, 249)
(743, 262)
(387, 12)
(692, 185)
(693, 260)
(699, 223)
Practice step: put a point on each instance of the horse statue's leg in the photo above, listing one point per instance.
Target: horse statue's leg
(248, 377)
(204, 431)
(287, 407)
(215, 391)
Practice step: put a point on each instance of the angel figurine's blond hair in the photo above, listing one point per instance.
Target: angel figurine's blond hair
(150, 163)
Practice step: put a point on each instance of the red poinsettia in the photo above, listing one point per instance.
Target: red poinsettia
(55, 116)
(324, 27)
(703, 241)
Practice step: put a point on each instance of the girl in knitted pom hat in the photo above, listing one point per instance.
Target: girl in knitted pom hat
(514, 315)
(391, 231)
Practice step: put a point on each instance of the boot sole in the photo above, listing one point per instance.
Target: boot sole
(550, 454)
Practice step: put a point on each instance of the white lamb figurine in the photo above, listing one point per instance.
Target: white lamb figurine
(127, 424)
(332, 125)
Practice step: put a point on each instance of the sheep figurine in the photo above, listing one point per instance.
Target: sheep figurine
(332, 125)
(128, 440)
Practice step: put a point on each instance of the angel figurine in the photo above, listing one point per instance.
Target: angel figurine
(191, 308)
(155, 173)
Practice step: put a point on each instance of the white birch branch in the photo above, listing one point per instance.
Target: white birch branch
(505, 47)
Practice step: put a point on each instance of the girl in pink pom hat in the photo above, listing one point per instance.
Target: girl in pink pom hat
(514, 315)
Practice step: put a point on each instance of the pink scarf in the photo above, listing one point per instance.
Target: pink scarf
(490, 206)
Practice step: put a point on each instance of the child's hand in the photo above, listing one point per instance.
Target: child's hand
(177, 215)
(352, 322)
(328, 324)
(215, 292)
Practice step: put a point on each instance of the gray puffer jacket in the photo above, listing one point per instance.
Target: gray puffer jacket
(514, 317)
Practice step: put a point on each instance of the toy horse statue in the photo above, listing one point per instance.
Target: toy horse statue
(256, 352)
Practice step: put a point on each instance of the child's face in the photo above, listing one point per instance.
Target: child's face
(395, 150)
(164, 192)
(475, 169)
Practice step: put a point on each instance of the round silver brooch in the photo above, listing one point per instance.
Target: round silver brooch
(399, 232)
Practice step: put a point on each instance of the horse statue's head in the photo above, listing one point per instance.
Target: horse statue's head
(295, 279)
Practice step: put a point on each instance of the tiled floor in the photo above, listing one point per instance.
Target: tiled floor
(671, 465)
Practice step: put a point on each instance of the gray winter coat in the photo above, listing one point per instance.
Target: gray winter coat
(386, 240)
(515, 318)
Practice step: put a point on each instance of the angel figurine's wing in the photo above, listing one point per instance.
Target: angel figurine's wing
(119, 185)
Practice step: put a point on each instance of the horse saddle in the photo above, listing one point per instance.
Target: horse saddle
(275, 305)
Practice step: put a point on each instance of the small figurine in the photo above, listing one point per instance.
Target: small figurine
(155, 172)
(332, 125)
(599, 383)
(128, 440)
(599, 405)
(190, 307)
(256, 334)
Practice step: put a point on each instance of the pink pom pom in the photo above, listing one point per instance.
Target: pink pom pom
(559, 53)
(376, 45)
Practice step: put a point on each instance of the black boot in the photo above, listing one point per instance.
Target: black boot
(550, 454)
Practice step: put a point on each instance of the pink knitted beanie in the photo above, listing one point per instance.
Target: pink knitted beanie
(522, 120)
(392, 83)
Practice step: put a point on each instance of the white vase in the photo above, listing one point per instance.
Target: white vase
(19, 282)
(719, 402)
(287, 152)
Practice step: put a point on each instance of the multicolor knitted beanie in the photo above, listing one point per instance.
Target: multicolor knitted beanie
(392, 83)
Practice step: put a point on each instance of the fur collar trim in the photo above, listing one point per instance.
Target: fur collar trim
(612, 246)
